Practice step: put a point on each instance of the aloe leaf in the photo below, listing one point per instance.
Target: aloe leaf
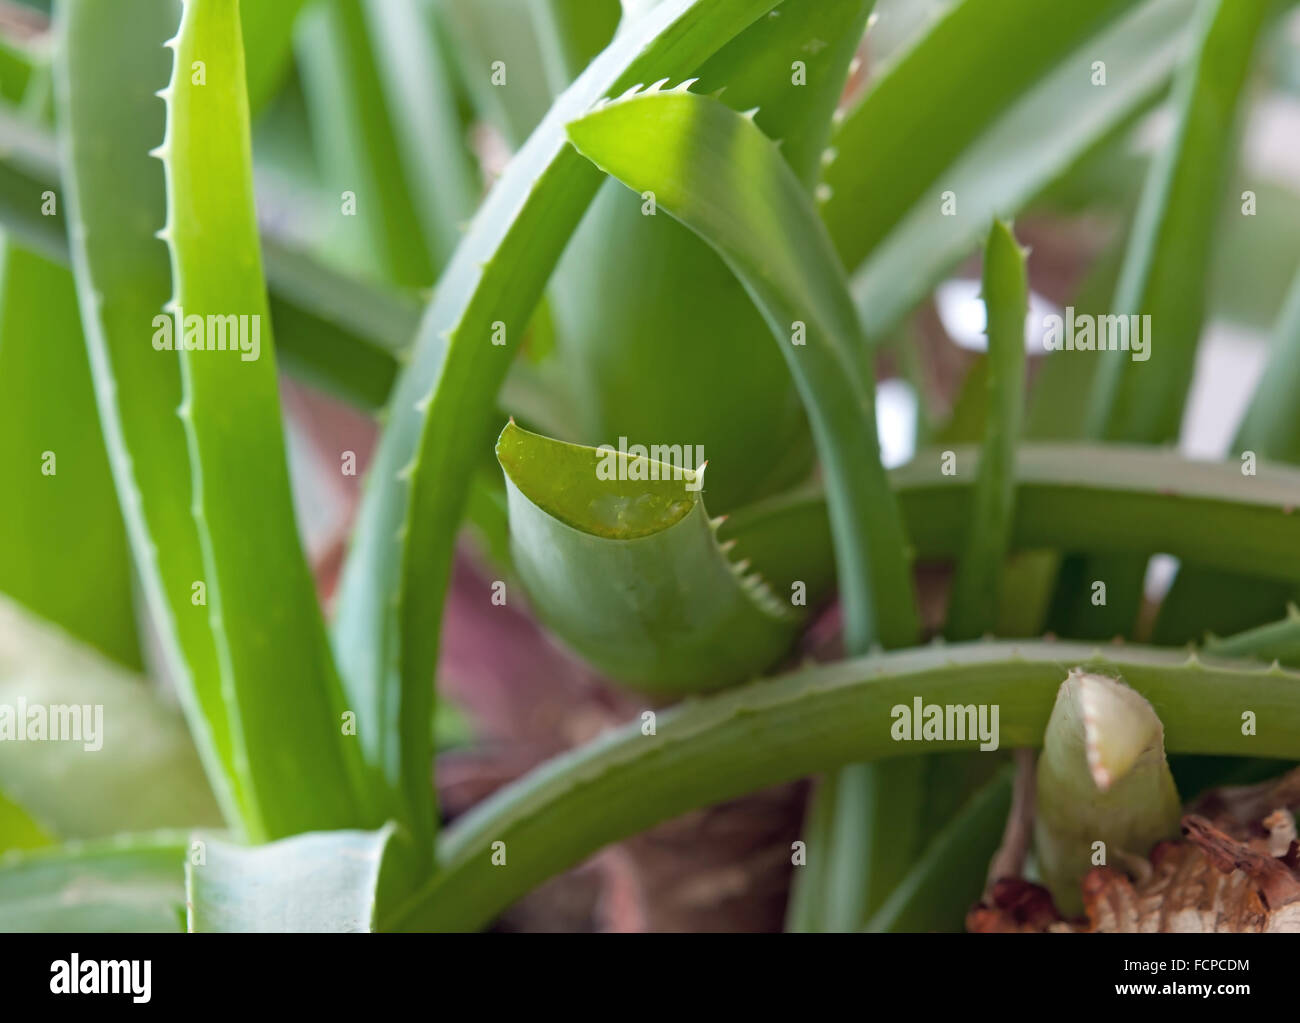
(134, 766)
(973, 605)
(322, 882)
(430, 136)
(949, 876)
(1019, 151)
(1275, 641)
(126, 884)
(619, 557)
(1199, 602)
(274, 660)
(1107, 499)
(1163, 277)
(615, 330)
(738, 195)
(717, 747)
(395, 578)
(357, 148)
(108, 68)
(1104, 789)
(59, 510)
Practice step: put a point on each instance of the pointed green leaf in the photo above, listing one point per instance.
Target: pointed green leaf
(109, 67)
(283, 696)
(972, 607)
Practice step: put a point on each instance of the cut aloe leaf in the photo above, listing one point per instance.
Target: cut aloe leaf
(395, 578)
(67, 557)
(619, 557)
(717, 747)
(743, 199)
(132, 883)
(323, 882)
(260, 601)
(1104, 795)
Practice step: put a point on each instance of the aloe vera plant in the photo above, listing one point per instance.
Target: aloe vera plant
(362, 359)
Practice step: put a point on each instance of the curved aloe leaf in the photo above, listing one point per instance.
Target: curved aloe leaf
(396, 575)
(718, 747)
(1107, 499)
(1163, 277)
(108, 68)
(1277, 641)
(1021, 150)
(619, 558)
(713, 170)
(129, 764)
(59, 508)
(322, 882)
(616, 331)
(1104, 789)
(274, 660)
(972, 607)
(121, 885)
